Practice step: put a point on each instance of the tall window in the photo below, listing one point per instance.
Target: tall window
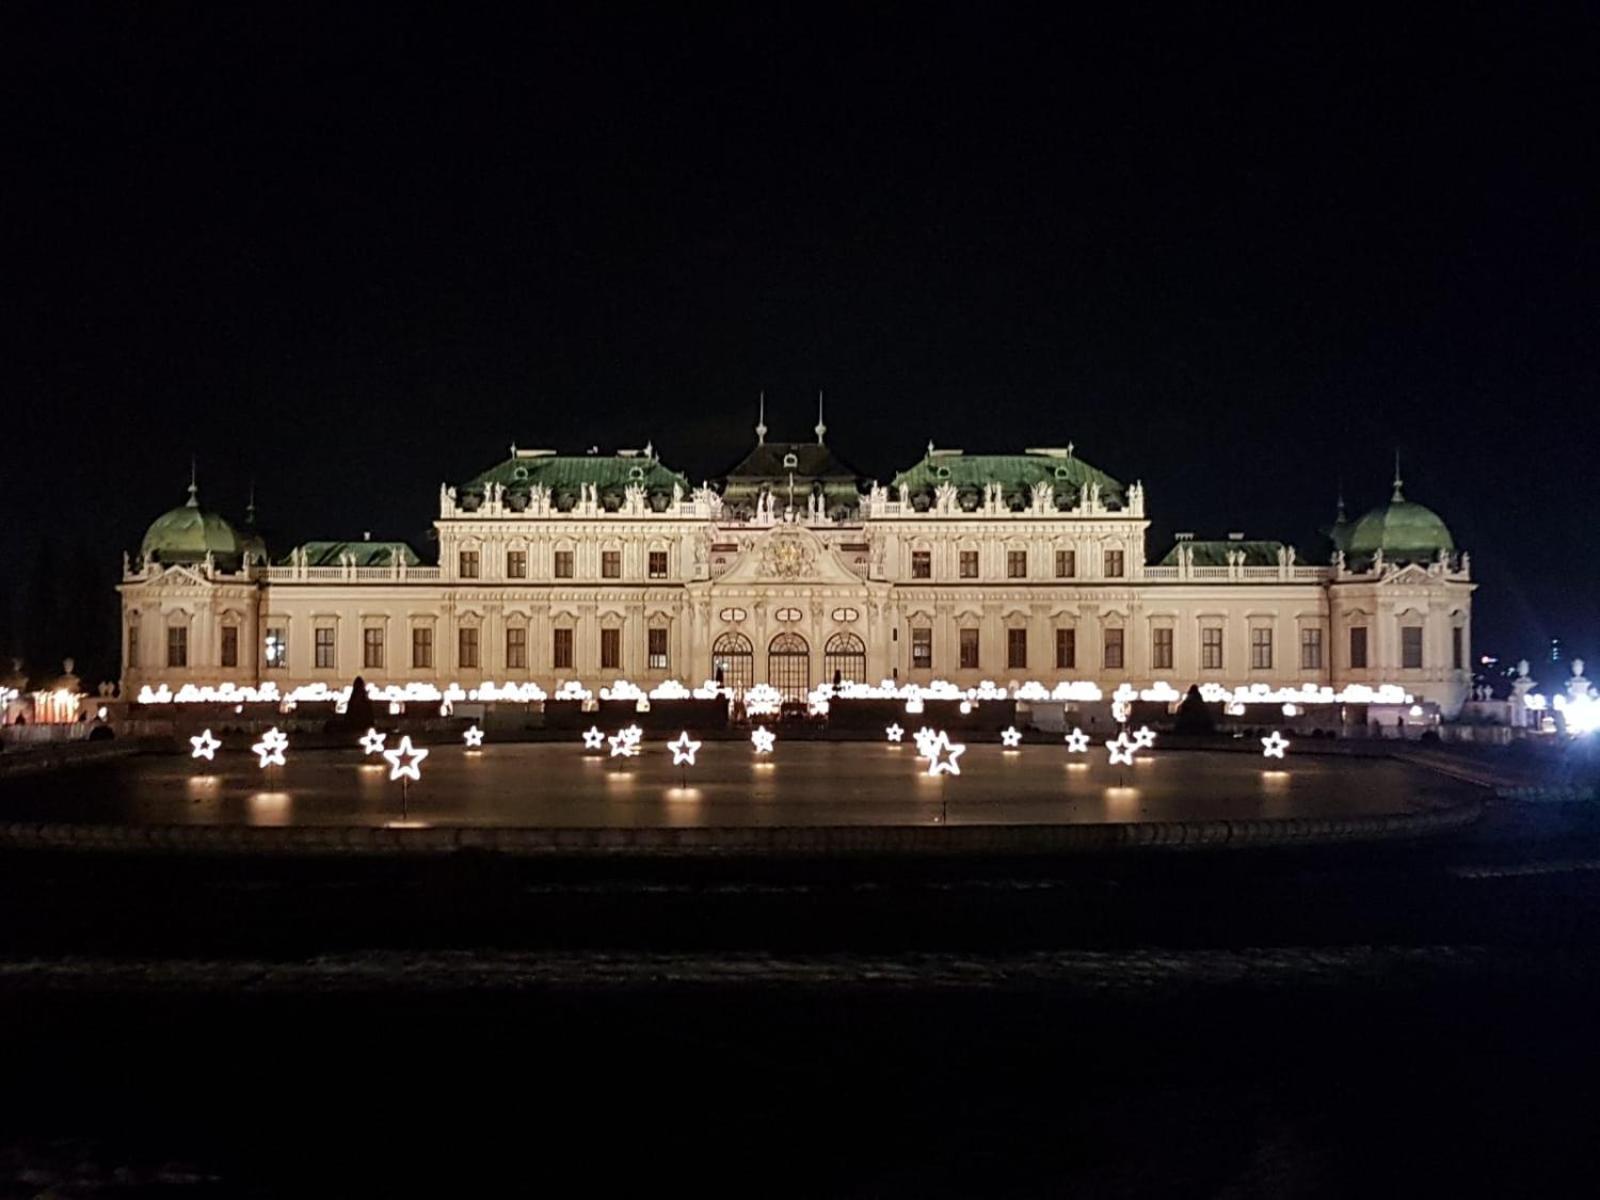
(1016, 648)
(1261, 649)
(230, 645)
(323, 643)
(422, 647)
(1113, 564)
(1458, 652)
(611, 649)
(516, 564)
(611, 564)
(177, 646)
(1066, 649)
(276, 647)
(561, 649)
(1211, 648)
(921, 564)
(922, 649)
(133, 645)
(1358, 647)
(469, 564)
(1411, 647)
(516, 648)
(1161, 649)
(1016, 564)
(372, 647)
(658, 564)
(467, 648)
(1311, 649)
(656, 649)
(1066, 564)
(969, 649)
(1113, 655)
(563, 564)
(969, 564)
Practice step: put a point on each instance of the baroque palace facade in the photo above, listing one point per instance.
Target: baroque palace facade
(794, 570)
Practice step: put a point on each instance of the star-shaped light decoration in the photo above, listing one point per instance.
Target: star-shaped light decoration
(942, 754)
(683, 750)
(762, 739)
(1144, 737)
(205, 746)
(473, 736)
(894, 733)
(271, 747)
(1121, 750)
(593, 739)
(1077, 742)
(1273, 745)
(405, 760)
(625, 743)
(1011, 737)
(372, 742)
(924, 738)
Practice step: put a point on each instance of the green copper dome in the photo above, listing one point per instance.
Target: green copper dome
(188, 533)
(1402, 529)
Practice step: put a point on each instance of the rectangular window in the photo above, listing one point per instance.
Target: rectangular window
(1066, 649)
(658, 564)
(656, 649)
(1113, 564)
(1113, 656)
(1016, 648)
(561, 649)
(969, 564)
(969, 649)
(1161, 649)
(177, 646)
(466, 648)
(1358, 647)
(1311, 649)
(563, 565)
(422, 647)
(230, 645)
(276, 648)
(1411, 647)
(1457, 648)
(922, 649)
(516, 648)
(469, 564)
(1016, 564)
(921, 564)
(1211, 648)
(611, 649)
(611, 564)
(372, 648)
(133, 645)
(1066, 564)
(324, 660)
(1261, 649)
(516, 564)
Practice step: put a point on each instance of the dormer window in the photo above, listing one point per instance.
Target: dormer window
(519, 472)
(790, 461)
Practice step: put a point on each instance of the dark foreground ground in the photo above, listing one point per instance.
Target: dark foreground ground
(1372, 1021)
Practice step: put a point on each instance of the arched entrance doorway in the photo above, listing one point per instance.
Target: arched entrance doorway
(733, 660)
(845, 655)
(789, 665)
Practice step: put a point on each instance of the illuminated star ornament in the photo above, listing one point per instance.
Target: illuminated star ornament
(1273, 745)
(924, 739)
(625, 743)
(1144, 737)
(1077, 742)
(683, 750)
(271, 747)
(593, 739)
(1011, 737)
(894, 733)
(473, 736)
(1121, 749)
(762, 739)
(204, 745)
(405, 760)
(372, 742)
(942, 754)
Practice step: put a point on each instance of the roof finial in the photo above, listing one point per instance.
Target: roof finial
(821, 428)
(194, 485)
(250, 508)
(1398, 495)
(1338, 504)
(930, 447)
(761, 422)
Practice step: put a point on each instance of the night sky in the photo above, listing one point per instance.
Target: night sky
(348, 257)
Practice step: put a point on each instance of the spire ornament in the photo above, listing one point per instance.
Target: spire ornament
(821, 428)
(1398, 494)
(761, 421)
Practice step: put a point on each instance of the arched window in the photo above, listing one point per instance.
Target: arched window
(789, 665)
(733, 661)
(845, 655)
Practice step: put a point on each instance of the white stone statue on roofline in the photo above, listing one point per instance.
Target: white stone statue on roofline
(1578, 687)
